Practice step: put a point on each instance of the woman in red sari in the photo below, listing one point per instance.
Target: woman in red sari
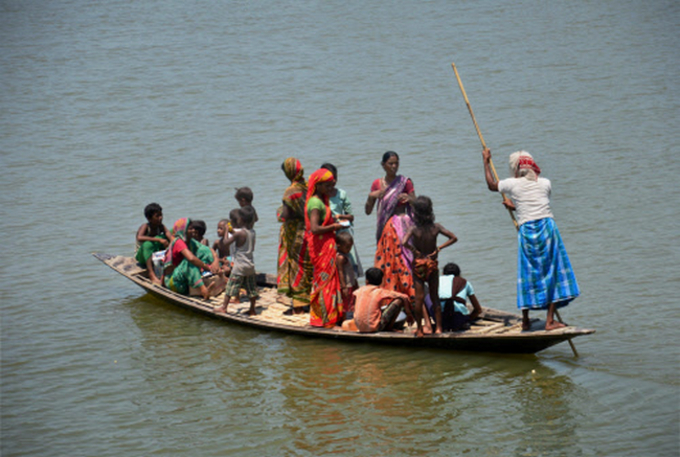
(325, 299)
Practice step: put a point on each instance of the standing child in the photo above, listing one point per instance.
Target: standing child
(346, 273)
(218, 246)
(243, 269)
(421, 239)
(152, 236)
(244, 197)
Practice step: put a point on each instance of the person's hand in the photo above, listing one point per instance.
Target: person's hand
(377, 193)
(508, 204)
(486, 154)
(164, 242)
(403, 198)
(433, 255)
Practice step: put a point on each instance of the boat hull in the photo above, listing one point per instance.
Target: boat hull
(500, 332)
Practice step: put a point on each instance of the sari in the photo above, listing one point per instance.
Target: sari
(294, 268)
(387, 204)
(326, 308)
(184, 274)
(390, 256)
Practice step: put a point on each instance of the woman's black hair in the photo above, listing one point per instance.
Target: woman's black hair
(374, 276)
(451, 269)
(330, 167)
(422, 211)
(388, 155)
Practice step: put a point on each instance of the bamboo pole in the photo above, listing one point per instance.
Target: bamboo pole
(481, 138)
(495, 175)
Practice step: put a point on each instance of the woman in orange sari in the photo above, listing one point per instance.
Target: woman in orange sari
(325, 299)
(394, 195)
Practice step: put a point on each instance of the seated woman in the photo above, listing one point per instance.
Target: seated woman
(182, 267)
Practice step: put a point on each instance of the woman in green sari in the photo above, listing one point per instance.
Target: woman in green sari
(183, 269)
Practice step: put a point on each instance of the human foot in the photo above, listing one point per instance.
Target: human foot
(554, 325)
(220, 309)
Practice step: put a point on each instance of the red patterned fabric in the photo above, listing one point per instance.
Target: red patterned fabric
(325, 299)
(526, 162)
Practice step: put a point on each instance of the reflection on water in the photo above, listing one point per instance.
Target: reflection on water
(311, 397)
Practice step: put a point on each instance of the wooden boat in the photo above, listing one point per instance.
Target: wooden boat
(496, 331)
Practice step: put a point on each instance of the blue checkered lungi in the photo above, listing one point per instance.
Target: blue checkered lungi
(544, 273)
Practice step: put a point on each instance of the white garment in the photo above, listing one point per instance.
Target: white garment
(531, 198)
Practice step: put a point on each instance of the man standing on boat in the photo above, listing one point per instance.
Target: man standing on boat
(545, 279)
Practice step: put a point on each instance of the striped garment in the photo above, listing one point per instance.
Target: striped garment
(544, 273)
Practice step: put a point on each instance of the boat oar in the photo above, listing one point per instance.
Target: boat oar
(495, 175)
(481, 138)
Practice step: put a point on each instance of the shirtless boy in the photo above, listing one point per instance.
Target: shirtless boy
(421, 239)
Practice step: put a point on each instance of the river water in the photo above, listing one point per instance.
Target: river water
(107, 106)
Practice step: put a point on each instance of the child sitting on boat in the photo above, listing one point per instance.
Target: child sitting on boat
(421, 239)
(201, 228)
(244, 197)
(346, 273)
(376, 309)
(243, 268)
(152, 237)
(454, 293)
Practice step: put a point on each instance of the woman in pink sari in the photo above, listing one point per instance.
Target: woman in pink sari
(394, 194)
(325, 301)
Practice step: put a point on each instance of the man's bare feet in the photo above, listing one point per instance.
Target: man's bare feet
(220, 309)
(526, 325)
(252, 312)
(419, 333)
(156, 281)
(554, 325)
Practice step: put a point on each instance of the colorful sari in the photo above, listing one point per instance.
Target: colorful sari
(294, 268)
(325, 302)
(390, 256)
(388, 203)
(184, 273)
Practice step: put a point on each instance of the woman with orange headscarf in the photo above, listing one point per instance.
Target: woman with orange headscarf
(294, 272)
(325, 299)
